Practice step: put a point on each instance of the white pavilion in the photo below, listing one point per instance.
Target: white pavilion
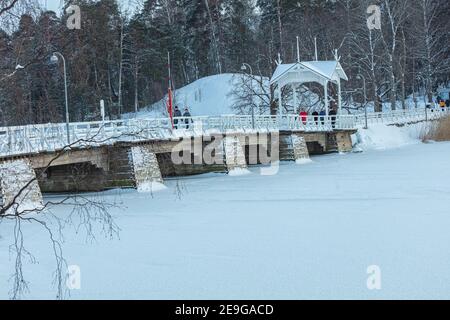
(295, 74)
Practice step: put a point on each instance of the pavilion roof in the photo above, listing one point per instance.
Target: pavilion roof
(324, 69)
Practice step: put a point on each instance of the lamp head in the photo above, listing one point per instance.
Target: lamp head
(54, 59)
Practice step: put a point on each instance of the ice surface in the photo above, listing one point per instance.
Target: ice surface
(307, 232)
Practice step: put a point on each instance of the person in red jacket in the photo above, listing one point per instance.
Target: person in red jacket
(304, 116)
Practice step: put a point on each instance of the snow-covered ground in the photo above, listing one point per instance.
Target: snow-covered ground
(310, 231)
(206, 96)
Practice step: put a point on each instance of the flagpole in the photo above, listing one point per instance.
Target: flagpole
(169, 70)
(169, 102)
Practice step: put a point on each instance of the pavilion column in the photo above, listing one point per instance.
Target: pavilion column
(325, 87)
(339, 96)
(280, 102)
(296, 111)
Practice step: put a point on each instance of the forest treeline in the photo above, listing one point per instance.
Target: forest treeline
(121, 57)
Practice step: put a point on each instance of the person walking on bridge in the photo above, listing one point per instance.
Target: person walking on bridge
(322, 116)
(315, 114)
(187, 117)
(304, 116)
(176, 115)
(333, 114)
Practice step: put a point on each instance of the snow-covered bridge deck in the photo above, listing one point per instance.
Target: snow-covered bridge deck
(31, 139)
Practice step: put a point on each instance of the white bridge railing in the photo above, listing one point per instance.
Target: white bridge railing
(29, 139)
(400, 116)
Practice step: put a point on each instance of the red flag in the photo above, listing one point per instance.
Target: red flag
(169, 100)
(169, 106)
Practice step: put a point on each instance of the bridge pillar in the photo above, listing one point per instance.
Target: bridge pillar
(344, 141)
(19, 186)
(146, 169)
(234, 153)
(301, 153)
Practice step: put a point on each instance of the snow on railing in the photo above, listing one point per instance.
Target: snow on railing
(401, 116)
(29, 139)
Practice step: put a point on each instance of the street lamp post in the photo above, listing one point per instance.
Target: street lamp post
(54, 59)
(244, 68)
(360, 76)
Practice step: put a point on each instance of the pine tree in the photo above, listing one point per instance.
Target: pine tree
(239, 37)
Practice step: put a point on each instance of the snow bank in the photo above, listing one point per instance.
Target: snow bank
(150, 187)
(303, 161)
(382, 137)
(238, 172)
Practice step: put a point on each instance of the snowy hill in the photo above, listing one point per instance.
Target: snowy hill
(211, 96)
(206, 96)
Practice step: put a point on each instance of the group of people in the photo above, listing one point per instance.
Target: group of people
(186, 117)
(318, 116)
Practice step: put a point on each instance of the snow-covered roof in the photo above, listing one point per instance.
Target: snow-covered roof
(328, 70)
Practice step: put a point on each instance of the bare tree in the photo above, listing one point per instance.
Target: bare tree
(86, 212)
(252, 94)
(432, 41)
(396, 12)
(11, 10)
(366, 46)
(6, 6)
(403, 68)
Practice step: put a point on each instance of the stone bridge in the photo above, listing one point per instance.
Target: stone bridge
(138, 153)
